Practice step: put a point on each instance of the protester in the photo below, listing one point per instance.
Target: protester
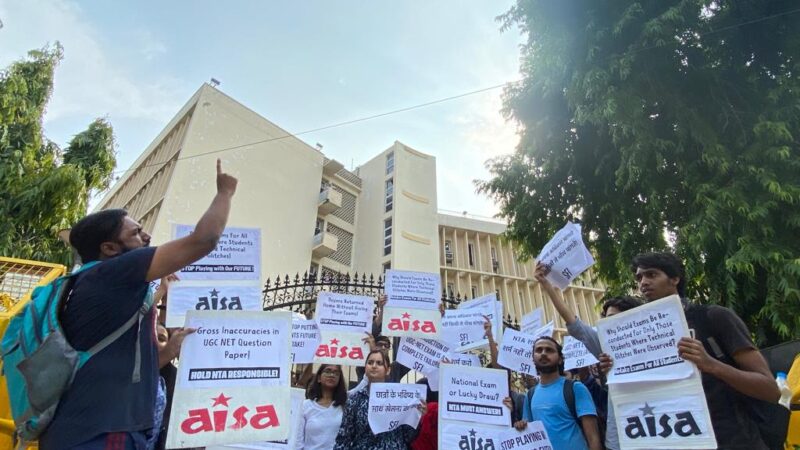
(548, 405)
(103, 298)
(516, 399)
(737, 371)
(322, 409)
(355, 432)
(588, 336)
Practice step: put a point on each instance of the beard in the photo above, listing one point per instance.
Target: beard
(546, 369)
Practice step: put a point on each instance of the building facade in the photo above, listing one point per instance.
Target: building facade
(317, 216)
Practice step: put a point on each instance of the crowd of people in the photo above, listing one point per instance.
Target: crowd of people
(120, 400)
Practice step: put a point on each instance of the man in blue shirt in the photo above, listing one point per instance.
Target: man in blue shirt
(565, 430)
(111, 402)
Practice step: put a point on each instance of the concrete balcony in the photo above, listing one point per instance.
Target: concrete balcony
(329, 201)
(324, 244)
(331, 167)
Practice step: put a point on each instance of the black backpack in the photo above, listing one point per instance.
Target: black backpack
(772, 419)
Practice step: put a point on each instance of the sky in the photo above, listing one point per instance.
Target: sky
(301, 65)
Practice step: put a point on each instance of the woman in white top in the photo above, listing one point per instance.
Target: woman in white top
(322, 409)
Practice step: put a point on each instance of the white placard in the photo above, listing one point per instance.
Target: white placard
(532, 321)
(459, 359)
(409, 322)
(297, 395)
(547, 330)
(236, 257)
(516, 352)
(534, 437)
(417, 290)
(185, 296)
(644, 342)
(463, 330)
(469, 435)
(305, 340)
(232, 384)
(394, 404)
(565, 256)
(496, 317)
(343, 348)
(473, 394)
(235, 348)
(422, 355)
(576, 355)
(663, 415)
(344, 312)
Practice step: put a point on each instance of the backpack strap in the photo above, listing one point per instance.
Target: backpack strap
(569, 398)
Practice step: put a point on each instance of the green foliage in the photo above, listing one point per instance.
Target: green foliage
(42, 189)
(664, 124)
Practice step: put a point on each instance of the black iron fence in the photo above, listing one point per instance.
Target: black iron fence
(299, 293)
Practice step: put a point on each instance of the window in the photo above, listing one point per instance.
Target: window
(471, 252)
(387, 236)
(389, 163)
(387, 266)
(451, 290)
(448, 253)
(474, 291)
(389, 194)
(319, 226)
(495, 262)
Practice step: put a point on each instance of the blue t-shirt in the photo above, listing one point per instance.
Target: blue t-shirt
(103, 397)
(550, 407)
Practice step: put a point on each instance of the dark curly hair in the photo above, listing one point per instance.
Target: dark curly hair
(621, 302)
(558, 348)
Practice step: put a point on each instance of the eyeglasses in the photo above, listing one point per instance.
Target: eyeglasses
(330, 372)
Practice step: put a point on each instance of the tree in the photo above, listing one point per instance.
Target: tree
(44, 189)
(663, 125)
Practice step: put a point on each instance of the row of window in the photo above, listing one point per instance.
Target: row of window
(448, 254)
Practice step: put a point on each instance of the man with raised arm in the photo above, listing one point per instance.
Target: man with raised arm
(111, 402)
(588, 336)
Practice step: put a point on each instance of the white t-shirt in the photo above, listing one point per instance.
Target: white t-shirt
(318, 426)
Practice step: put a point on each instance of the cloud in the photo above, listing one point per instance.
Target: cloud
(89, 81)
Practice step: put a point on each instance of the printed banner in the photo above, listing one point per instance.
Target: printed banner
(344, 312)
(533, 438)
(469, 436)
(576, 355)
(232, 384)
(187, 297)
(394, 404)
(516, 352)
(473, 394)
(663, 414)
(532, 321)
(463, 328)
(644, 342)
(237, 256)
(422, 355)
(565, 256)
(408, 322)
(546, 330)
(305, 340)
(414, 290)
(297, 395)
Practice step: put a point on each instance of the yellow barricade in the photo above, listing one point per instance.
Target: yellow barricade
(18, 278)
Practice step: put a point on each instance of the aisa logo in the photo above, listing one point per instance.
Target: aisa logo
(206, 420)
(216, 303)
(473, 442)
(332, 350)
(406, 324)
(664, 425)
